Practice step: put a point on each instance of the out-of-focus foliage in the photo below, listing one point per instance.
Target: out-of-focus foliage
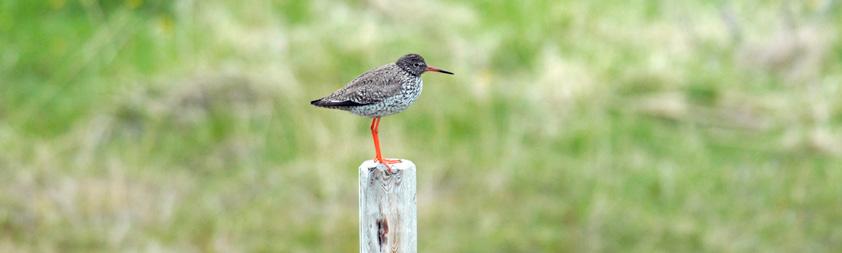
(570, 126)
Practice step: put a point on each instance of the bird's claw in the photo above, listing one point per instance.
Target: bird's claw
(386, 163)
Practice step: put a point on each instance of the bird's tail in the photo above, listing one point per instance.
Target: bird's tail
(333, 104)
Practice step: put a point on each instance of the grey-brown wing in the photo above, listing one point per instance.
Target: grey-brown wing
(369, 88)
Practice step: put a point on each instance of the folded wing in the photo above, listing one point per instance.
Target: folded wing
(369, 88)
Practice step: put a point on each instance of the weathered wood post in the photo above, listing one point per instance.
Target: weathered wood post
(387, 208)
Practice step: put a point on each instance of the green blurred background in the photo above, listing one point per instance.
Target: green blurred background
(570, 126)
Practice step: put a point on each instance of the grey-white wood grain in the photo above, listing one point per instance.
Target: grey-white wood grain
(388, 214)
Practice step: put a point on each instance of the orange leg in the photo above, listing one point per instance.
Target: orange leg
(375, 124)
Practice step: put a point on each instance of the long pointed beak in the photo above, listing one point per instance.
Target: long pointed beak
(431, 68)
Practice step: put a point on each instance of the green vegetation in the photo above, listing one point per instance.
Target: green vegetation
(580, 126)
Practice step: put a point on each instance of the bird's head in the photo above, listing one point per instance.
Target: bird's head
(415, 65)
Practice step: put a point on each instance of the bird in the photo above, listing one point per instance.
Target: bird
(380, 92)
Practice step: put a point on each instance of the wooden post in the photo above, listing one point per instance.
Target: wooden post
(387, 208)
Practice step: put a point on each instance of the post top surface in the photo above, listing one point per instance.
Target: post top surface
(403, 165)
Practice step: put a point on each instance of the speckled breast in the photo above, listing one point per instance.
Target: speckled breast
(395, 104)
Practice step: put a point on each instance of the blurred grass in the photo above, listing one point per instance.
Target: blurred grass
(642, 126)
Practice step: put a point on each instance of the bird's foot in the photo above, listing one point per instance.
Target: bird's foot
(391, 161)
(386, 163)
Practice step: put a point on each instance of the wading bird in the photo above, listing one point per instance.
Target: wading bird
(381, 92)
